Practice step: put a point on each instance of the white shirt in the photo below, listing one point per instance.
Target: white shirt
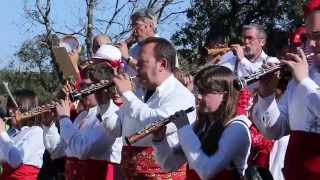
(171, 96)
(298, 109)
(84, 139)
(245, 66)
(234, 146)
(24, 147)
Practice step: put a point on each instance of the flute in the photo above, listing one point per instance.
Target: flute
(151, 128)
(240, 83)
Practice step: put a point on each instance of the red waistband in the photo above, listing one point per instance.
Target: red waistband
(23, 172)
(89, 169)
(137, 148)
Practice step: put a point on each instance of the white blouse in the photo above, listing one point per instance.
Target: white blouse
(234, 146)
(298, 109)
(24, 147)
(84, 139)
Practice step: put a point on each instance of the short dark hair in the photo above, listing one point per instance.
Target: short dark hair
(163, 50)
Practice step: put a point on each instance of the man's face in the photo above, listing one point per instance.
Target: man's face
(252, 43)
(148, 67)
(313, 32)
(141, 29)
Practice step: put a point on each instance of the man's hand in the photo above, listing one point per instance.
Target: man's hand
(238, 51)
(269, 83)
(63, 108)
(122, 82)
(298, 65)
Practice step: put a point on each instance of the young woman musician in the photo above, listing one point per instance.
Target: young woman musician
(21, 147)
(218, 146)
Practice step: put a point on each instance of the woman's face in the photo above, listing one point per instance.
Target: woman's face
(210, 102)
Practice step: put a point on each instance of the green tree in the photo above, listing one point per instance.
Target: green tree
(224, 18)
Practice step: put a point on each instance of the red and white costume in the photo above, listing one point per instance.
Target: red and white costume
(233, 149)
(137, 161)
(297, 114)
(21, 153)
(90, 153)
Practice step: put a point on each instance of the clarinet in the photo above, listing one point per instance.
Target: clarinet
(151, 128)
(91, 89)
(74, 96)
(242, 82)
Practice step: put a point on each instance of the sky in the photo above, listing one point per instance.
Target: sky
(16, 28)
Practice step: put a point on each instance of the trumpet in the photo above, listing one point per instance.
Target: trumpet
(214, 51)
(151, 128)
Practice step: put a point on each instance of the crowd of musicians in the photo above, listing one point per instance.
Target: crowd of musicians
(258, 130)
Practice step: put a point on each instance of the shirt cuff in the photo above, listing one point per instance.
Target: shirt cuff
(129, 96)
(65, 123)
(307, 85)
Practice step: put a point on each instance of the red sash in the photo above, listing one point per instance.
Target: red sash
(23, 172)
(76, 169)
(243, 102)
(302, 159)
(138, 163)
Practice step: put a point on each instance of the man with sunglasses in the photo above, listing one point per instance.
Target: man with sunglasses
(297, 112)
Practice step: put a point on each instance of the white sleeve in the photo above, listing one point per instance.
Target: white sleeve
(313, 95)
(53, 143)
(271, 117)
(112, 124)
(234, 139)
(14, 155)
(78, 142)
(143, 114)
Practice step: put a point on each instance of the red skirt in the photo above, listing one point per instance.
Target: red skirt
(76, 169)
(23, 172)
(302, 159)
(138, 163)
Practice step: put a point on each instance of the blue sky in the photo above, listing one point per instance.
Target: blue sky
(16, 28)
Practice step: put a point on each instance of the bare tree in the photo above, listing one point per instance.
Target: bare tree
(116, 24)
